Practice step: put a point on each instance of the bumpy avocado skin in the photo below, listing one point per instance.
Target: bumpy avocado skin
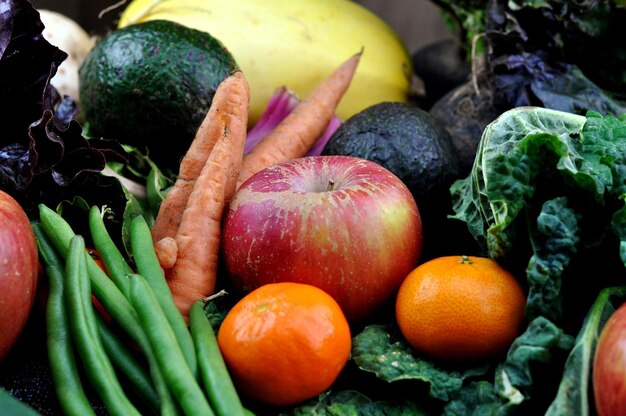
(404, 139)
(150, 85)
(415, 147)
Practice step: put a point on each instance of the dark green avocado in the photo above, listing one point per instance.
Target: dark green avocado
(404, 139)
(414, 146)
(150, 85)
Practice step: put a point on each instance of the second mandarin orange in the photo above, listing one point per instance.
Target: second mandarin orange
(460, 308)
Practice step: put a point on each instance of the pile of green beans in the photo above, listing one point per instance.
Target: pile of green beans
(171, 367)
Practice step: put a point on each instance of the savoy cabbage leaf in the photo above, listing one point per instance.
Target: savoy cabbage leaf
(353, 403)
(546, 196)
(545, 186)
(380, 349)
(514, 383)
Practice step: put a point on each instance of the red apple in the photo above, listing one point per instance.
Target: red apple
(343, 224)
(609, 366)
(18, 271)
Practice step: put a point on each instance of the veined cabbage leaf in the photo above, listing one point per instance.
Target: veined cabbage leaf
(547, 185)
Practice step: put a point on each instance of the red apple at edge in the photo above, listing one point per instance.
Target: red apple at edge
(346, 225)
(18, 271)
(609, 366)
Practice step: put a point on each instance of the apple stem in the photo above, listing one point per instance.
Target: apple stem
(331, 185)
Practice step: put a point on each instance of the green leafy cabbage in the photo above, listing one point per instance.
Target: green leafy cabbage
(547, 187)
(545, 197)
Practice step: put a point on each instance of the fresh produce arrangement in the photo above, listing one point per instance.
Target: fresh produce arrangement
(301, 43)
(244, 207)
(143, 307)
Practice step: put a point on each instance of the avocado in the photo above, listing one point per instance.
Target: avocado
(150, 85)
(414, 146)
(404, 139)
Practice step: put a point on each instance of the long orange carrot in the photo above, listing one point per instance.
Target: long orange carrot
(297, 133)
(224, 102)
(194, 273)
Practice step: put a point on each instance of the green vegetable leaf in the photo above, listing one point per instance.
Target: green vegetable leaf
(216, 308)
(575, 395)
(546, 185)
(381, 350)
(352, 403)
(157, 186)
(513, 151)
(513, 377)
(513, 383)
(555, 241)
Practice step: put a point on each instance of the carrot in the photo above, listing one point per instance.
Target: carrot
(297, 133)
(194, 273)
(170, 213)
(166, 251)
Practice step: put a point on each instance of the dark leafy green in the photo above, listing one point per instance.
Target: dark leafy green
(465, 16)
(566, 55)
(585, 35)
(529, 157)
(462, 390)
(514, 383)
(546, 197)
(353, 403)
(44, 156)
(381, 350)
(556, 237)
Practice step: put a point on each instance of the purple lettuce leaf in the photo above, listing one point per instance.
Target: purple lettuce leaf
(44, 157)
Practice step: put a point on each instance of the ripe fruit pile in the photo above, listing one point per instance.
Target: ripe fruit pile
(311, 247)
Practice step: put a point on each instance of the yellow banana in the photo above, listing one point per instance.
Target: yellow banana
(296, 44)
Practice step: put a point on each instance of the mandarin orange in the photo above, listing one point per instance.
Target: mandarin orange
(284, 343)
(460, 308)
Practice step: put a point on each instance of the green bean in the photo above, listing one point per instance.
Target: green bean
(218, 385)
(89, 345)
(116, 304)
(120, 309)
(60, 234)
(63, 366)
(147, 264)
(179, 377)
(127, 364)
(114, 262)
